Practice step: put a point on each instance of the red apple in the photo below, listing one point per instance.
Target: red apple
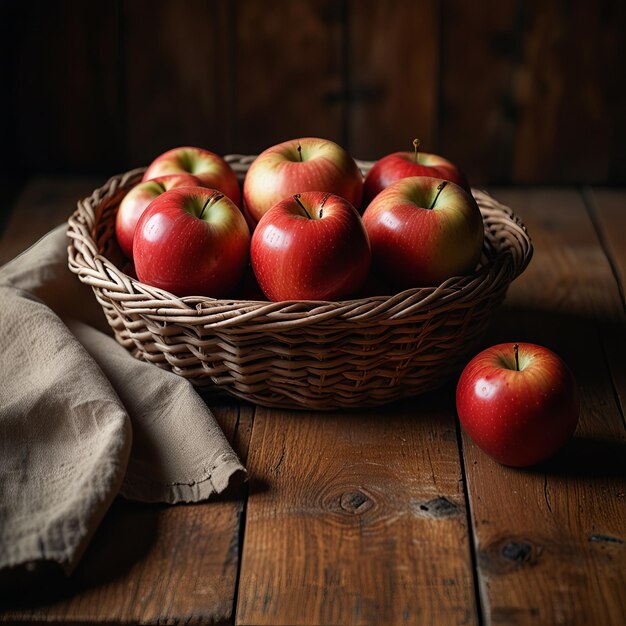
(399, 165)
(311, 246)
(423, 231)
(518, 408)
(192, 241)
(295, 167)
(209, 167)
(136, 201)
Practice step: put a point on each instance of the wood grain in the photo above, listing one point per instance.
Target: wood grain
(360, 517)
(609, 209)
(551, 541)
(530, 92)
(356, 518)
(393, 82)
(480, 51)
(568, 96)
(179, 69)
(149, 564)
(289, 71)
(43, 204)
(512, 91)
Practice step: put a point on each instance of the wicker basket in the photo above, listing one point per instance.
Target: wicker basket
(314, 355)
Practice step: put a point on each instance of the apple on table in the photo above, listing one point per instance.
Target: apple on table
(192, 241)
(399, 165)
(210, 168)
(423, 231)
(310, 246)
(519, 403)
(297, 166)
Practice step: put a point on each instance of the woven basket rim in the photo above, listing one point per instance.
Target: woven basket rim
(164, 304)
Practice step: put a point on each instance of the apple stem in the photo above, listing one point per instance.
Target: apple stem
(297, 199)
(416, 145)
(440, 187)
(300, 152)
(212, 199)
(516, 351)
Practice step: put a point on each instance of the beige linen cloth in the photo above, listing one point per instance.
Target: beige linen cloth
(81, 420)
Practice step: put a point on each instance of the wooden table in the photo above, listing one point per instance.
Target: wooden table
(392, 515)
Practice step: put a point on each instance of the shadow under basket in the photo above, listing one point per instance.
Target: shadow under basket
(307, 355)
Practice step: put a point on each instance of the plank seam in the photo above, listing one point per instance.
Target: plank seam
(242, 522)
(473, 547)
(590, 205)
(616, 396)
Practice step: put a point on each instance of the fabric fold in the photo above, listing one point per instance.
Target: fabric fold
(63, 452)
(180, 452)
(81, 420)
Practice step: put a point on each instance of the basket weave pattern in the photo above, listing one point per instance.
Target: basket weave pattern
(316, 355)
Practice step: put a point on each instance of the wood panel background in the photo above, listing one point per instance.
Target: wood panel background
(514, 91)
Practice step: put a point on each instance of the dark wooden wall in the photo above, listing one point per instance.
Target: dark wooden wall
(515, 91)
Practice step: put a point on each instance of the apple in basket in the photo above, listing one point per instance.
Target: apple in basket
(297, 166)
(423, 231)
(209, 167)
(310, 246)
(192, 241)
(399, 165)
(518, 402)
(136, 201)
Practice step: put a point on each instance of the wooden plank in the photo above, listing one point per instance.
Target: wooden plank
(608, 208)
(568, 93)
(149, 564)
(551, 541)
(179, 84)
(44, 203)
(477, 131)
(523, 101)
(357, 518)
(608, 211)
(393, 76)
(289, 72)
(67, 91)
